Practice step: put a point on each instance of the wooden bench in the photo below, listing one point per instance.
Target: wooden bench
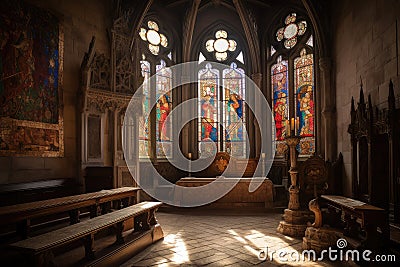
(369, 217)
(39, 248)
(16, 193)
(23, 213)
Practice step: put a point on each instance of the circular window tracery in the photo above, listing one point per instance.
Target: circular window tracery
(153, 36)
(221, 45)
(291, 31)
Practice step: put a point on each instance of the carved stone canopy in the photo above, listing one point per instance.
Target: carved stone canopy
(99, 101)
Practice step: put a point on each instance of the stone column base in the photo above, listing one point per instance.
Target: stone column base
(319, 239)
(298, 216)
(289, 229)
(295, 222)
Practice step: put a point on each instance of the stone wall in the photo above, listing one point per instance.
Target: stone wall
(364, 45)
(80, 20)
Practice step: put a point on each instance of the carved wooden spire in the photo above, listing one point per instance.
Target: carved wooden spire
(362, 100)
(370, 109)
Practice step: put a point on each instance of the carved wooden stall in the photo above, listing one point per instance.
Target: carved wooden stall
(107, 87)
(375, 149)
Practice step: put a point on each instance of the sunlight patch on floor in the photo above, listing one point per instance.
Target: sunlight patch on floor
(180, 253)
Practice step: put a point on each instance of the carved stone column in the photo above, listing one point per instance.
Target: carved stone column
(328, 109)
(294, 203)
(295, 219)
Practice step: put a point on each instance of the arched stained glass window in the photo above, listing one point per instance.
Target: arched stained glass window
(222, 111)
(222, 93)
(208, 110)
(144, 124)
(155, 134)
(293, 85)
(304, 104)
(164, 106)
(233, 111)
(280, 94)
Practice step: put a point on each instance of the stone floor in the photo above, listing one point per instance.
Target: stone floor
(202, 239)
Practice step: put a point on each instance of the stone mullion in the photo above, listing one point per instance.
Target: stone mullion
(291, 96)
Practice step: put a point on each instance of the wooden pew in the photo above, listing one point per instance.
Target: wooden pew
(369, 217)
(16, 193)
(39, 249)
(21, 214)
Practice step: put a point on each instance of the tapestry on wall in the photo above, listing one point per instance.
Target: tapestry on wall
(31, 46)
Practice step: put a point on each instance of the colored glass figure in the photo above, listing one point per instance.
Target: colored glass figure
(234, 119)
(279, 75)
(144, 123)
(304, 92)
(164, 106)
(208, 109)
(279, 81)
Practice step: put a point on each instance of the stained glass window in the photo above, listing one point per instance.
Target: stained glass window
(293, 86)
(144, 123)
(153, 37)
(291, 31)
(240, 57)
(304, 103)
(208, 110)
(221, 45)
(201, 57)
(310, 41)
(155, 129)
(222, 123)
(272, 51)
(164, 106)
(234, 111)
(280, 94)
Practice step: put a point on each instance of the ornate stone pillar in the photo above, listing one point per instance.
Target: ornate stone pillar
(295, 219)
(328, 109)
(294, 203)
